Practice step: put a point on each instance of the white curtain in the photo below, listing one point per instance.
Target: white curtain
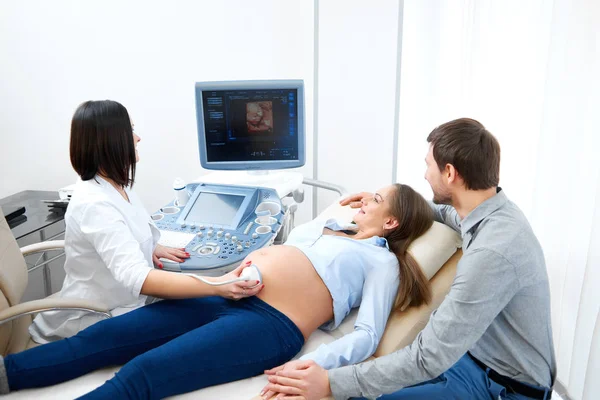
(529, 71)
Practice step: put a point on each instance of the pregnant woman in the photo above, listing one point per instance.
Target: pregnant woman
(313, 280)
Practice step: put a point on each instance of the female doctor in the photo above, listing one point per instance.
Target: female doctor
(110, 240)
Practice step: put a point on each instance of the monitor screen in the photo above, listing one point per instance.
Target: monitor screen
(250, 124)
(215, 208)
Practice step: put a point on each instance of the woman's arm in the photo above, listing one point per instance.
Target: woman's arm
(379, 293)
(172, 285)
(105, 228)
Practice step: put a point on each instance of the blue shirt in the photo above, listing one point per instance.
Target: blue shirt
(357, 272)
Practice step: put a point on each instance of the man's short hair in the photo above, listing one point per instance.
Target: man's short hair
(471, 149)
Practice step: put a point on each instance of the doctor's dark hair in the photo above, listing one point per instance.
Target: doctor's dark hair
(471, 149)
(102, 142)
(415, 217)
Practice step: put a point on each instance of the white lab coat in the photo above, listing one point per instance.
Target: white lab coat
(108, 245)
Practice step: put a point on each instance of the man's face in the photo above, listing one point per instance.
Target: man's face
(441, 194)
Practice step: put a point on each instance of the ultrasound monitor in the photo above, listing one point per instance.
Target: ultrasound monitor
(251, 125)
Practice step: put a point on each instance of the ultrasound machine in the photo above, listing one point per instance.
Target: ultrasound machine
(252, 127)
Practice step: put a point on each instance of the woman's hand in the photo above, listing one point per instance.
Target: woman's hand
(160, 251)
(354, 200)
(237, 290)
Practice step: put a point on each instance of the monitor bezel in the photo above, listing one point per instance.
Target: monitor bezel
(297, 84)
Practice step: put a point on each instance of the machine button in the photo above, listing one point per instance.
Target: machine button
(217, 250)
(220, 234)
(233, 239)
(254, 235)
(247, 244)
(192, 226)
(201, 227)
(239, 248)
(227, 235)
(209, 233)
(248, 228)
(200, 234)
(183, 225)
(196, 247)
(211, 244)
(206, 250)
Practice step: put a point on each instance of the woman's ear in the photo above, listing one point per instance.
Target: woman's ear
(390, 223)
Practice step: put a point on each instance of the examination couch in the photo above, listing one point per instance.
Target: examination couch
(438, 252)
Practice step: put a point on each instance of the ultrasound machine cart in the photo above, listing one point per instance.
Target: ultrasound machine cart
(245, 130)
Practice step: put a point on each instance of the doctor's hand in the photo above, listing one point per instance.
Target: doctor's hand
(237, 290)
(354, 200)
(299, 379)
(170, 253)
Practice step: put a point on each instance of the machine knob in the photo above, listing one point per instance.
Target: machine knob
(239, 248)
(183, 225)
(254, 235)
(234, 239)
(209, 233)
(220, 234)
(192, 226)
(247, 244)
(201, 227)
(227, 236)
(200, 234)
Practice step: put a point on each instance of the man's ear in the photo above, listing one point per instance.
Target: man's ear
(391, 223)
(450, 174)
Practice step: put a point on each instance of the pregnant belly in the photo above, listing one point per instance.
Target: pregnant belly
(293, 287)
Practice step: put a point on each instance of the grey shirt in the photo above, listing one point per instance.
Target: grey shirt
(498, 308)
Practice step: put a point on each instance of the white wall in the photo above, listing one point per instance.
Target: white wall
(146, 55)
(461, 60)
(356, 94)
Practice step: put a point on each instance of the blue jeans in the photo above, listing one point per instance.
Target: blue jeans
(167, 348)
(463, 381)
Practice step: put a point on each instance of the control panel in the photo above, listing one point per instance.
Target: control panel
(219, 226)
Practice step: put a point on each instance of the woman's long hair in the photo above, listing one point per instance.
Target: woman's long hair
(415, 217)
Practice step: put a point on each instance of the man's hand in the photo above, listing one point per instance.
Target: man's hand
(170, 253)
(270, 394)
(354, 200)
(297, 380)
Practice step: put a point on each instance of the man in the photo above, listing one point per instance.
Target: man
(491, 337)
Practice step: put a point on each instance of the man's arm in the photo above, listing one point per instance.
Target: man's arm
(484, 284)
(446, 215)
